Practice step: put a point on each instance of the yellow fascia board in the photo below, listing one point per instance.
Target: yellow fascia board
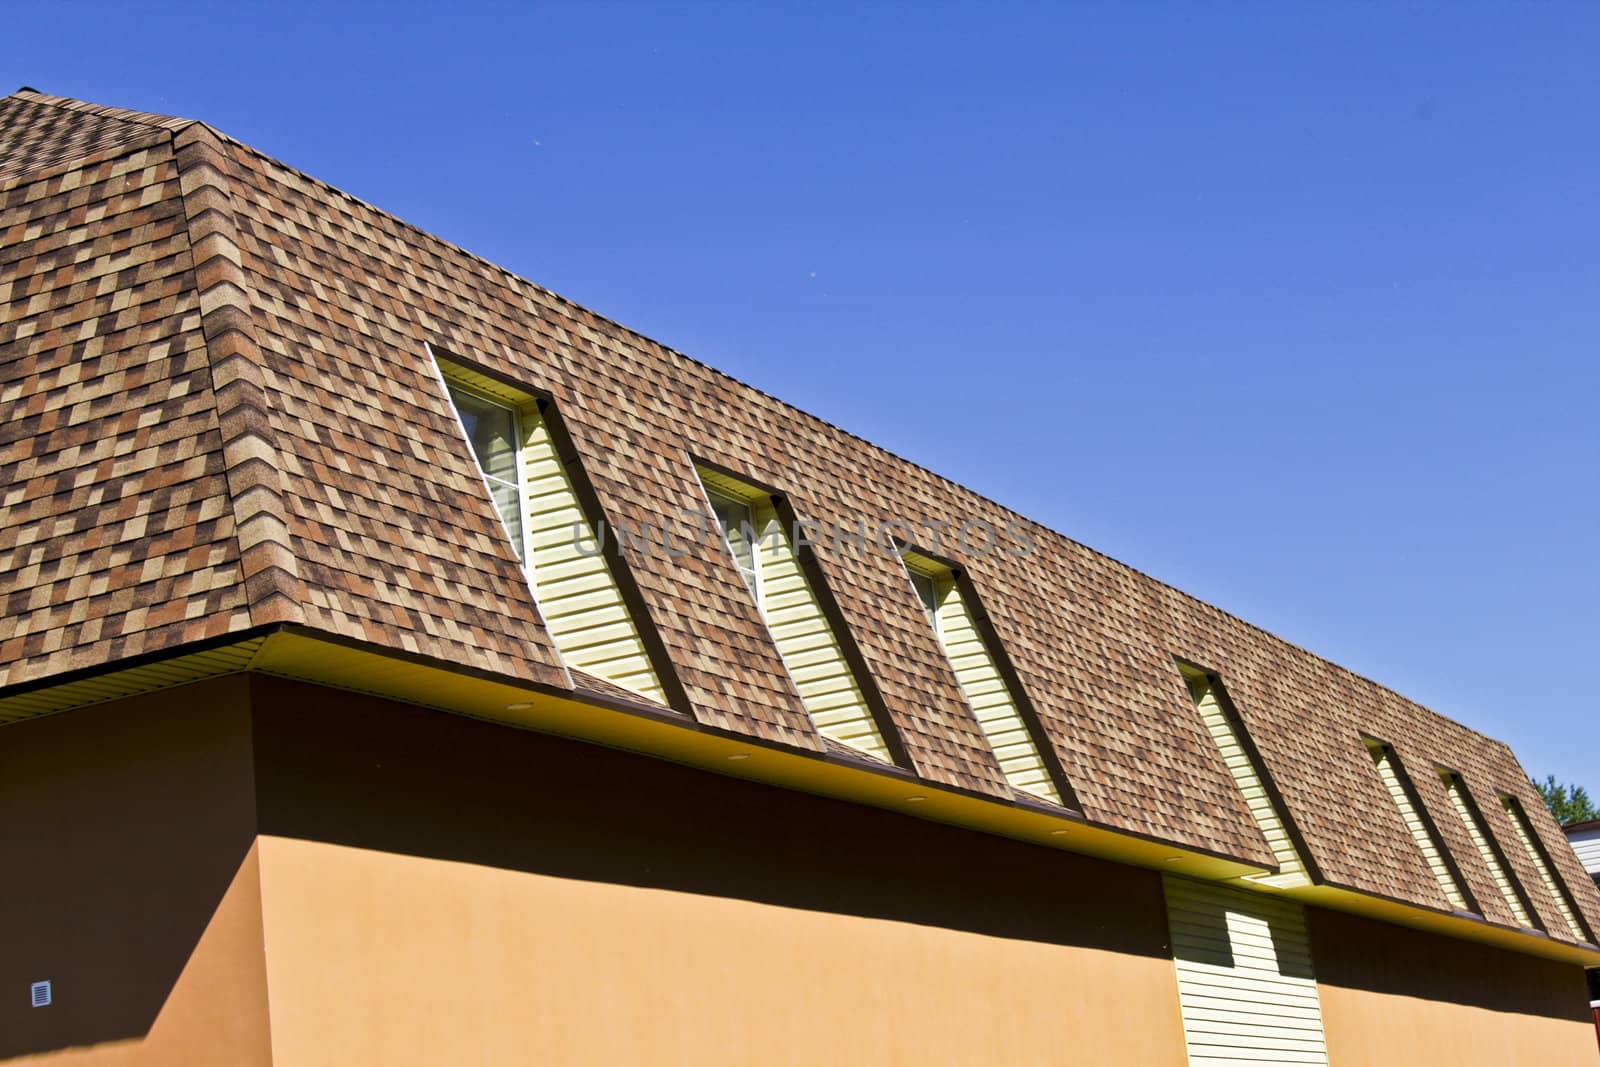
(663, 734)
(1458, 925)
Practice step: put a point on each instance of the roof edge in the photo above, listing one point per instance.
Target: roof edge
(274, 591)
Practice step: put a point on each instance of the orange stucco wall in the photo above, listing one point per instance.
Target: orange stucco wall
(437, 890)
(1393, 997)
(254, 872)
(130, 881)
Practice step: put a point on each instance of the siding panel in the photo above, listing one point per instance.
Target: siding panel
(1291, 869)
(989, 698)
(1431, 850)
(1587, 845)
(1558, 890)
(1246, 984)
(807, 643)
(1480, 840)
(582, 606)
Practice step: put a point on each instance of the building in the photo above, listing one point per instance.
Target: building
(333, 735)
(1585, 839)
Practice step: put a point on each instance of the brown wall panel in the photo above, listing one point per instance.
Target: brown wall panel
(442, 890)
(126, 838)
(1393, 997)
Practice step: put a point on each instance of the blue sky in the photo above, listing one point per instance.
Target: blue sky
(1293, 307)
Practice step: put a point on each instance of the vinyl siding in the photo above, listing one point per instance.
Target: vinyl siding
(578, 597)
(800, 631)
(1587, 845)
(1291, 869)
(988, 695)
(1431, 850)
(1246, 985)
(1480, 841)
(1558, 890)
(807, 643)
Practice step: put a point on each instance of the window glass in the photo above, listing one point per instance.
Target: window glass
(492, 430)
(928, 593)
(734, 516)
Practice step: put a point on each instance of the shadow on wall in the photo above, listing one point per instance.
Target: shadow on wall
(1217, 924)
(1358, 953)
(361, 772)
(121, 829)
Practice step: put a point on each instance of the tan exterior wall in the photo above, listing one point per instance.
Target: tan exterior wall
(427, 889)
(443, 891)
(1393, 997)
(130, 882)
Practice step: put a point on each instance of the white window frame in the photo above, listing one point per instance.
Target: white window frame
(521, 541)
(756, 586)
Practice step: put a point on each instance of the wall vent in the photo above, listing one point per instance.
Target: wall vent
(40, 994)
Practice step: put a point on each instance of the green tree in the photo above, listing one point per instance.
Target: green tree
(1568, 802)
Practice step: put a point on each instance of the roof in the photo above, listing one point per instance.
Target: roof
(225, 415)
(1581, 827)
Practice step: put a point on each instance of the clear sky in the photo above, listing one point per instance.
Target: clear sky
(1296, 308)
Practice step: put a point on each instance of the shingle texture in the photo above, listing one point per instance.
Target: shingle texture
(228, 416)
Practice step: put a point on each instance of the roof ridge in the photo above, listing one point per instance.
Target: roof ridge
(274, 591)
(70, 103)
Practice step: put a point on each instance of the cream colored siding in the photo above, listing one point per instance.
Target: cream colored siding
(576, 593)
(979, 677)
(1586, 843)
(1246, 986)
(806, 643)
(578, 597)
(1525, 832)
(990, 698)
(1480, 841)
(1431, 850)
(1291, 869)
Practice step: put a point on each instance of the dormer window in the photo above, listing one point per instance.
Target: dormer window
(976, 663)
(791, 603)
(515, 438)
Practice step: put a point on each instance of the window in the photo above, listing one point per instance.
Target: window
(928, 593)
(738, 530)
(1423, 832)
(1488, 850)
(977, 669)
(491, 429)
(796, 615)
(1541, 863)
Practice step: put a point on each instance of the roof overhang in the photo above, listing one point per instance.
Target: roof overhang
(292, 652)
